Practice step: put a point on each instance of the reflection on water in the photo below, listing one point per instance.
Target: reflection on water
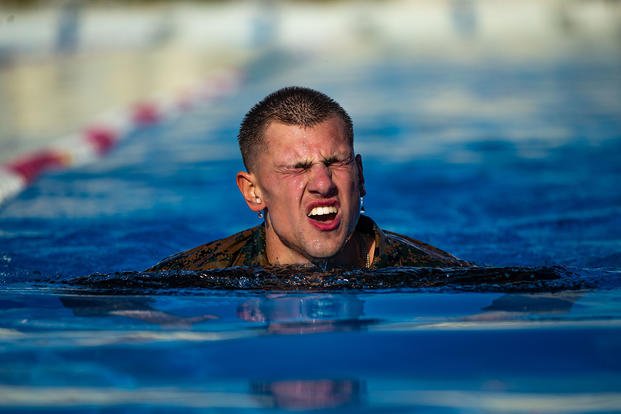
(301, 351)
(278, 313)
(540, 303)
(309, 394)
(424, 399)
(302, 314)
(298, 314)
(139, 308)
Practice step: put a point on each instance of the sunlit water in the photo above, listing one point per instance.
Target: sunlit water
(503, 164)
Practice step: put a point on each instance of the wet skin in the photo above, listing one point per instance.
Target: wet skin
(304, 171)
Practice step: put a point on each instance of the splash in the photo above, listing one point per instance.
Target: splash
(287, 278)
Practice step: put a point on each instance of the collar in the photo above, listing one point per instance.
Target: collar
(367, 227)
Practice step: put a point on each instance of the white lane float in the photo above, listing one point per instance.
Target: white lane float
(102, 135)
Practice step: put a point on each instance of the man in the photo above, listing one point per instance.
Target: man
(303, 178)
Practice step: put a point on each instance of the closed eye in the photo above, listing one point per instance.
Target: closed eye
(304, 165)
(297, 168)
(342, 161)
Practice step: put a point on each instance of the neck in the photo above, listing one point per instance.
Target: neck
(357, 252)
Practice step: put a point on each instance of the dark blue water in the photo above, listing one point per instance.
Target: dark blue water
(500, 163)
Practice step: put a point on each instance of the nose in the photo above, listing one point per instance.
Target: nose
(320, 181)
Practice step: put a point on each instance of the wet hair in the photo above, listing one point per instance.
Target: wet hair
(292, 105)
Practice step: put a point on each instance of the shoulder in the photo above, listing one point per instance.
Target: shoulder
(402, 250)
(393, 249)
(240, 249)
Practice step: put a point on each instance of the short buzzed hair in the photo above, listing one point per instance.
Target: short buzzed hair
(292, 105)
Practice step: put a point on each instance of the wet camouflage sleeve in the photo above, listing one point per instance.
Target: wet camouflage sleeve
(392, 249)
(245, 248)
(403, 251)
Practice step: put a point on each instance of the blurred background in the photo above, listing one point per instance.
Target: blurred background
(64, 62)
(488, 128)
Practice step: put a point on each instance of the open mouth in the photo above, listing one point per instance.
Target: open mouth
(323, 214)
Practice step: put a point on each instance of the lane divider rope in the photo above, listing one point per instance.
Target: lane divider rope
(107, 130)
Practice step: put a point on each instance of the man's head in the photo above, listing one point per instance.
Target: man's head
(297, 146)
(291, 106)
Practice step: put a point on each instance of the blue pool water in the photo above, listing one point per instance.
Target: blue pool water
(500, 163)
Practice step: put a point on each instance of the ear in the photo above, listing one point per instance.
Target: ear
(363, 190)
(246, 182)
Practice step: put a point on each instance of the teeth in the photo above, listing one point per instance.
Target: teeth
(320, 211)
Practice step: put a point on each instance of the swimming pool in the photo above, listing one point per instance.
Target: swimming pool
(500, 163)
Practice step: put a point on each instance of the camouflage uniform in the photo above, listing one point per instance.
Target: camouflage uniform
(247, 248)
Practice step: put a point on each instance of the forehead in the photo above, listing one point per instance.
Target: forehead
(325, 137)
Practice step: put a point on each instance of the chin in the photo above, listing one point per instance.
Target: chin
(326, 252)
(325, 246)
